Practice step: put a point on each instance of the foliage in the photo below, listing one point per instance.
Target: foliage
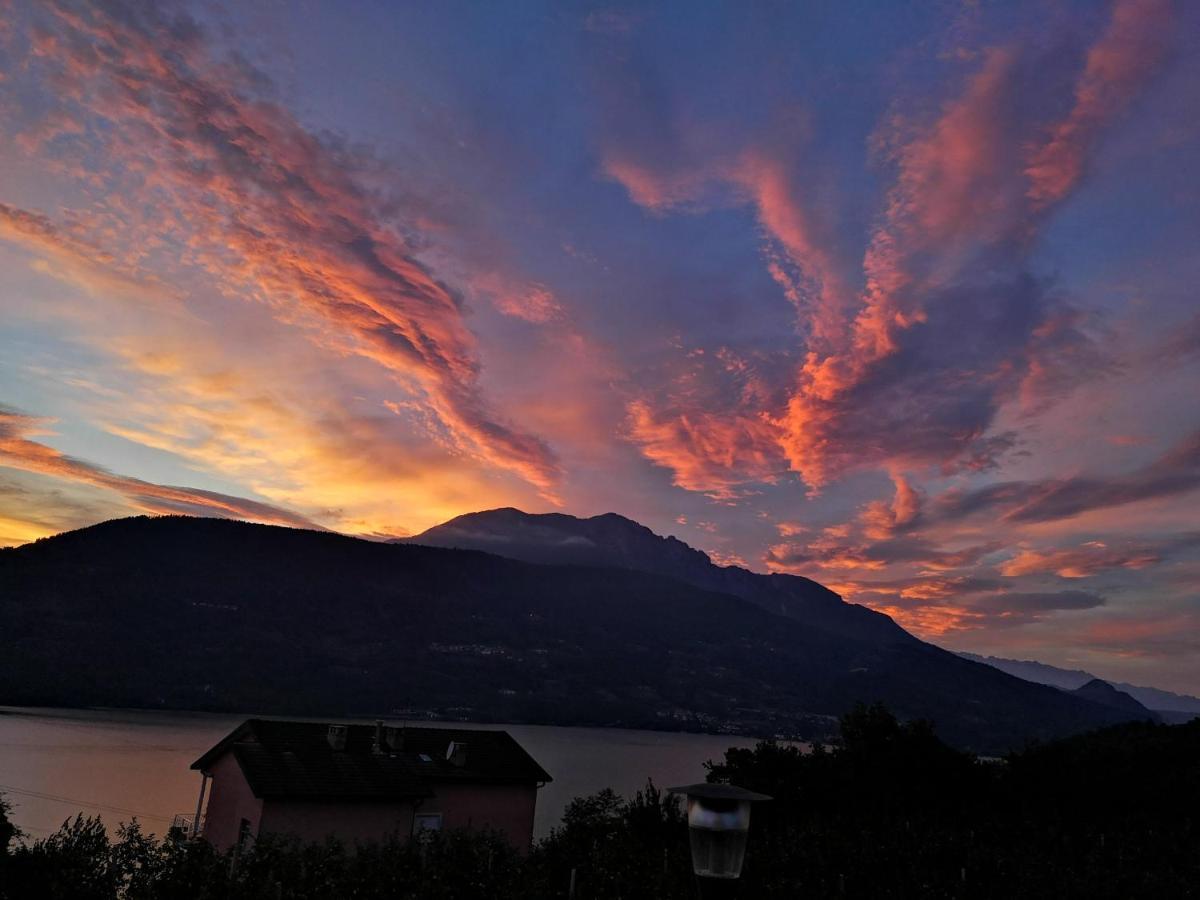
(79, 862)
(888, 812)
(8, 830)
(893, 812)
(628, 848)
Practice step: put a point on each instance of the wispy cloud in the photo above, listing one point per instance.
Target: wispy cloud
(1175, 473)
(18, 450)
(75, 260)
(950, 325)
(1084, 561)
(271, 211)
(1118, 66)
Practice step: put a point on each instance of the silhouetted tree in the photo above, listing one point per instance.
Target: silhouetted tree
(8, 830)
(888, 812)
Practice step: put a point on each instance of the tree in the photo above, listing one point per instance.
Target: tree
(8, 831)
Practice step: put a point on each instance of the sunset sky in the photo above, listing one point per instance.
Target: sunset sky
(898, 296)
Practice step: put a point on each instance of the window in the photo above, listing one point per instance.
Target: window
(427, 822)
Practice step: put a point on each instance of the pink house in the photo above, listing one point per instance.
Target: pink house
(363, 782)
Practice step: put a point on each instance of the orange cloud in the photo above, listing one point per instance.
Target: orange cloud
(269, 211)
(790, 529)
(712, 453)
(722, 558)
(953, 192)
(930, 621)
(19, 452)
(881, 520)
(937, 607)
(1094, 557)
(532, 302)
(75, 261)
(272, 419)
(276, 422)
(656, 191)
(34, 506)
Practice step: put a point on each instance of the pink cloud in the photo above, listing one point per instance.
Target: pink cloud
(659, 189)
(763, 179)
(881, 520)
(1095, 557)
(939, 607)
(949, 326)
(1117, 68)
(821, 295)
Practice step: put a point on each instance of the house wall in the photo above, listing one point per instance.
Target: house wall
(352, 823)
(229, 801)
(506, 808)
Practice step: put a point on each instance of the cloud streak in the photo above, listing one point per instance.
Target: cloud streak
(950, 325)
(270, 211)
(1175, 473)
(1118, 66)
(19, 451)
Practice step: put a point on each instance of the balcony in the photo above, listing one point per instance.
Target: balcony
(187, 825)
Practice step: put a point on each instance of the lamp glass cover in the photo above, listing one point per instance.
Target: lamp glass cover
(718, 830)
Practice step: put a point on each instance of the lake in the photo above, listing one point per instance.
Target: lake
(122, 763)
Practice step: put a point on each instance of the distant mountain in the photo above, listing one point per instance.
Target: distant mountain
(183, 613)
(1102, 692)
(1070, 679)
(613, 540)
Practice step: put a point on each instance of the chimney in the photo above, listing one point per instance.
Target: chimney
(336, 735)
(377, 744)
(456, 754)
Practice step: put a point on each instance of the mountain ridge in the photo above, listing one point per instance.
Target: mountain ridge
(185, 613)
(1152, 698)
(1100, 691)
(611, 539)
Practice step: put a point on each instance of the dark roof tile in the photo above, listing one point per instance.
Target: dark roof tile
(295, 759)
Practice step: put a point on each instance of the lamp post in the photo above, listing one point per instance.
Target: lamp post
(718, 825)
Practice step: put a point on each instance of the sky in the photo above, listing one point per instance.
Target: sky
(896, 296)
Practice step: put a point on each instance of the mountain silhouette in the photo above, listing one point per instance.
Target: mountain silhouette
(183, 613)
(1170, 706)
(1099, 691)
(613, 540)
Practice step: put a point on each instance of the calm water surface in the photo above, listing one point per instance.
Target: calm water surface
(117, 764)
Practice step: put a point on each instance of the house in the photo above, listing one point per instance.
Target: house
(363, 782)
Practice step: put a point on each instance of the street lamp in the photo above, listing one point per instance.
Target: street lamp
(718, 824)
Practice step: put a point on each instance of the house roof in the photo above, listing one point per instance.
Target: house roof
(297, 761)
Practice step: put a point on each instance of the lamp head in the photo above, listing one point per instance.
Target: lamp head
(718, 824)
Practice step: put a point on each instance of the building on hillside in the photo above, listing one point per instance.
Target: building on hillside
(363, 782)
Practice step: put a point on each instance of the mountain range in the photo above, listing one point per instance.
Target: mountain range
(1170, 706)
(617, 626)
